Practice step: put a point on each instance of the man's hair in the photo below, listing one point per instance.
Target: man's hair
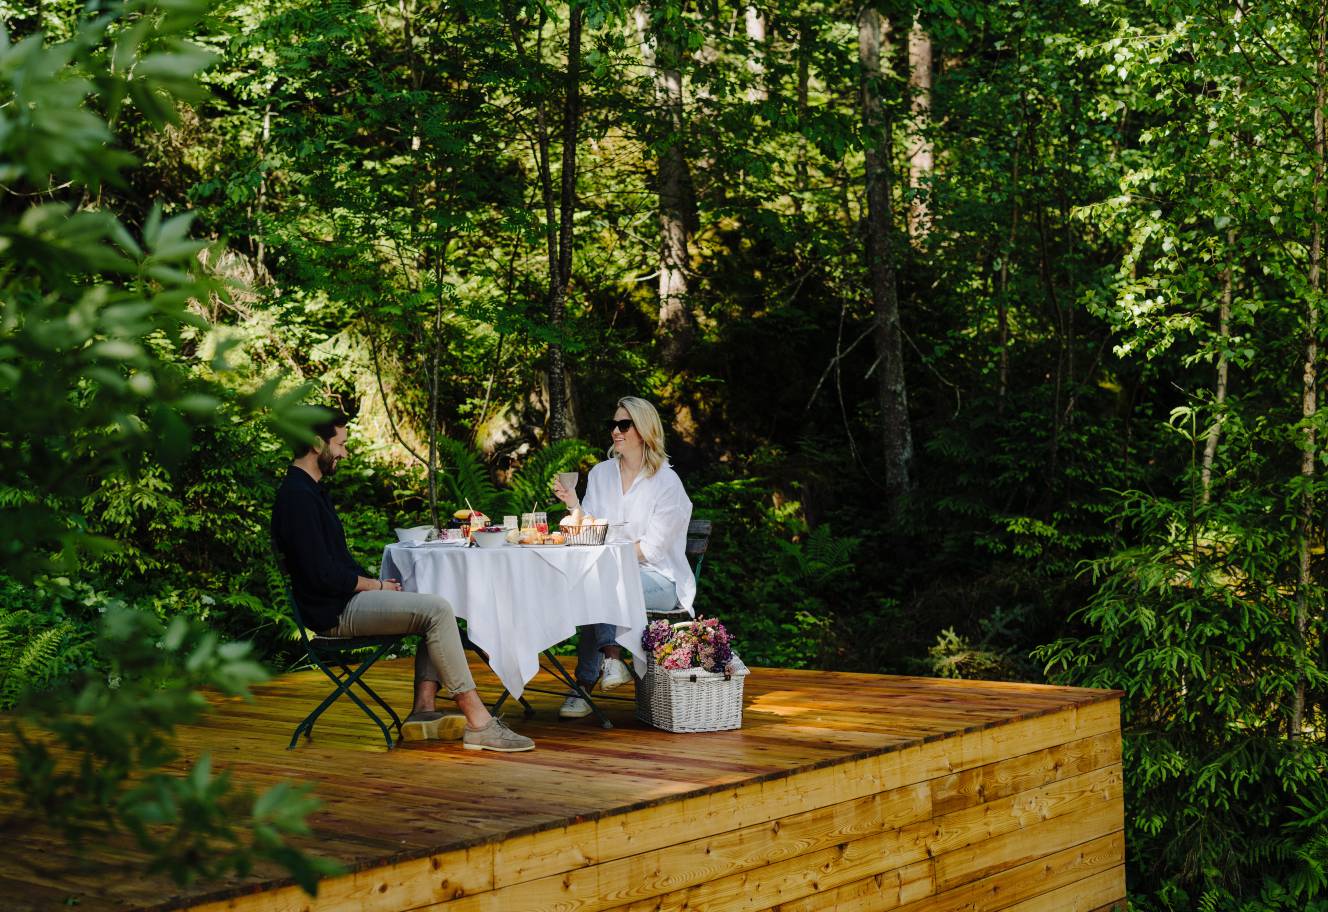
(325, 429)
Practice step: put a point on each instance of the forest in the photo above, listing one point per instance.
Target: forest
(989, 335)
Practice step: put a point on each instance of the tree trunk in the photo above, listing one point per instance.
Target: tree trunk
(260, 252)
(673, 330)
(755, 21)
(920, 158)
(1309, 376)
(800, 166)
(1003, 299)
(897, 437)
(558, 424)
(1220, 389)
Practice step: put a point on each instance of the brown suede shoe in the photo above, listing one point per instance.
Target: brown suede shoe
(433, 726)
(495, 737)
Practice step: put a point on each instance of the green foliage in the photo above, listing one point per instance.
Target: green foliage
(1111, 178)
(94, 313)
(114, 723)
(532, 482)
(776, 584)
(1196, 625)
(465, 477)
(102, 376)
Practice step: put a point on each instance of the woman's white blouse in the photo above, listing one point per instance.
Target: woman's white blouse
(656, 511)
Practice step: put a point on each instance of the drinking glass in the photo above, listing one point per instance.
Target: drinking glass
(527, 521)
(509, 523)
(542, 523)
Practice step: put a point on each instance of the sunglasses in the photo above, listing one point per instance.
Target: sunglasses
(622, 424)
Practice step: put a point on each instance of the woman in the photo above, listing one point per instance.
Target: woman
(639, 488)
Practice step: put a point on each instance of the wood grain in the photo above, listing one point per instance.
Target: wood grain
(879, 792)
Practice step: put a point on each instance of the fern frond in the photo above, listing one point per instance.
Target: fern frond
(42, 658)
(531, 483)
(465, 477)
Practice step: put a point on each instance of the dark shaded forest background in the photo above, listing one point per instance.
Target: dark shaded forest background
(987, 333)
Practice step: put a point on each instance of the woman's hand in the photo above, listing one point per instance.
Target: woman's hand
(566, 496)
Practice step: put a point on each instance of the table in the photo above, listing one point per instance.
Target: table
(519, 601)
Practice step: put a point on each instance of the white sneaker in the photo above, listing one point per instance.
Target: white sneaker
(615, 674)
(574, 708)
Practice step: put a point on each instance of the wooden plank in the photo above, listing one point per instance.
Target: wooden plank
(695, 861)
(797, 878)
(1116, 906)
(1055, 870)
(732, 867)
(991, 857)
(747, 805)
(1106, 889)
(1017, 774)
(1098, 792)
(406, 885)
(944, 757)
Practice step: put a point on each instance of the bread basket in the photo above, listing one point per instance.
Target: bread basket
(585, 534)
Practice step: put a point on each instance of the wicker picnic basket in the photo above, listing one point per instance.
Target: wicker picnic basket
(691, 699)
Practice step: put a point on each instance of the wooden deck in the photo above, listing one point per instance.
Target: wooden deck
(841, 792)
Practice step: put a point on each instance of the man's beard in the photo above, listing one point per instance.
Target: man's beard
(327, 463)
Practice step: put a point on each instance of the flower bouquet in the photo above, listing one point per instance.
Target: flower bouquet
(702, 643)
(693, 679)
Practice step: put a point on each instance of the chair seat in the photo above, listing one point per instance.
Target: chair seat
(347, 643)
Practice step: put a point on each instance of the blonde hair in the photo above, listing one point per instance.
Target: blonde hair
(646, 421)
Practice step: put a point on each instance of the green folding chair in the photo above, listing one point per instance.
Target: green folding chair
(344, 660)
(698, 541)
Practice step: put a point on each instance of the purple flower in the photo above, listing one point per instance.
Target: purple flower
(702, 643)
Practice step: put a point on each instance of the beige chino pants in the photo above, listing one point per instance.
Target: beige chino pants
(384, 612)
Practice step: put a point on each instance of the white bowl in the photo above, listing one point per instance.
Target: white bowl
(490, 539)
(416, 534)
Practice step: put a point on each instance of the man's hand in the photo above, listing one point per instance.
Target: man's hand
(368, 584)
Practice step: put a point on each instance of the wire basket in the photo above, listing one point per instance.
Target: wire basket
(585, 534)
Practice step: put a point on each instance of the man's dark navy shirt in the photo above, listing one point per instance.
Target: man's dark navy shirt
(307, 532)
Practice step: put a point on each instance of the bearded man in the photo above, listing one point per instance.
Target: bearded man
(339, 598)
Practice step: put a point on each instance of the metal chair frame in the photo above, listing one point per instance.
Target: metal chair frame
(698, 542)
(334, 657)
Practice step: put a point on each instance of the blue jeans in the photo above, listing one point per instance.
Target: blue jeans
(661, 595)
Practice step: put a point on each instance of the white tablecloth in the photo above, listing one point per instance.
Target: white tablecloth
(518, 601)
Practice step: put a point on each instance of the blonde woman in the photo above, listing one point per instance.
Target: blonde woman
(635, 486)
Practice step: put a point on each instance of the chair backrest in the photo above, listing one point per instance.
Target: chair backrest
(698, 540)
(280, 560)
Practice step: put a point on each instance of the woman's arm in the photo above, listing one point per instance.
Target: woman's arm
(667, 525)
(567, 497)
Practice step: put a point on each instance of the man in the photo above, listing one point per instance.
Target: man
(339, 598)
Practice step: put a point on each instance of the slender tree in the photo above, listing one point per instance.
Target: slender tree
(1309, 405)
(656, 31)
(920, 155)
(754, 21)
(1223, 369)
(892, 394)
